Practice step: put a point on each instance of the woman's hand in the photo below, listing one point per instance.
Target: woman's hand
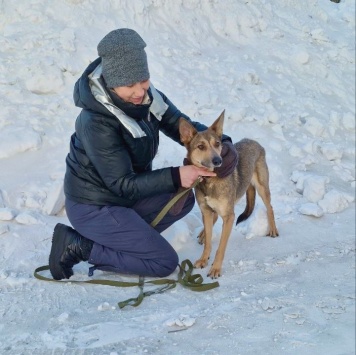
(190, 173)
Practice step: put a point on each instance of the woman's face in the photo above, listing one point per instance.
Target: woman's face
(134, 93)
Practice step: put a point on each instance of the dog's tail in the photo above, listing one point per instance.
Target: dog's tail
(250, 204)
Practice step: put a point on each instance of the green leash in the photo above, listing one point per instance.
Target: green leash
(171, 202)
(186, 277)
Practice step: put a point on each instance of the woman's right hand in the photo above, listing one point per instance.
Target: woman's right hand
(190, 173)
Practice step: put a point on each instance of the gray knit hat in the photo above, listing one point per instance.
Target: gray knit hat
(124, 60)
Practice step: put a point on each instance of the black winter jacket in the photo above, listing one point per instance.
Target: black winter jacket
(106, 165)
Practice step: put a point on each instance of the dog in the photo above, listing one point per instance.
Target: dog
(217, 196)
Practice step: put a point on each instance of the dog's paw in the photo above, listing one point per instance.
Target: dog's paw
(201, 263)
(214, 272)
(273, 233)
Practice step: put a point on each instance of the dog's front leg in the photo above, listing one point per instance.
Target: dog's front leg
(201, 236)
(208, 221)
(215, 270)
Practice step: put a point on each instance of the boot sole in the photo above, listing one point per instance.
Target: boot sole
(59, 246)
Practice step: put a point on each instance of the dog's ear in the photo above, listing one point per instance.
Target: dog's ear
(186, 130)
(217, 126)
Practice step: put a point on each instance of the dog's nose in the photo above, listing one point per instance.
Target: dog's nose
(217, 161)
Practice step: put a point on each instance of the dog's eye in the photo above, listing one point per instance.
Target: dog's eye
(201, 146)
(217, 144)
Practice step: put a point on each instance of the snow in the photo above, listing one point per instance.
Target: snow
(284, 71)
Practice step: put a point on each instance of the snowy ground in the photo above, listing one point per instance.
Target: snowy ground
(285, 74)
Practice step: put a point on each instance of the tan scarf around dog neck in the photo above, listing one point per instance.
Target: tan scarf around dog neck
(229, 160)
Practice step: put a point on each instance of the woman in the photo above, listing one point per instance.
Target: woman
(112, 193)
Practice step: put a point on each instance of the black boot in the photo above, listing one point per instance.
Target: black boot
(68, 249)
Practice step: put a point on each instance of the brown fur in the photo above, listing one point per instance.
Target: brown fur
(218, 196)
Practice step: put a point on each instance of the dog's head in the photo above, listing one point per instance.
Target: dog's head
(203, 148)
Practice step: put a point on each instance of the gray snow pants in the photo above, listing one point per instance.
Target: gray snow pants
(124, 241)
